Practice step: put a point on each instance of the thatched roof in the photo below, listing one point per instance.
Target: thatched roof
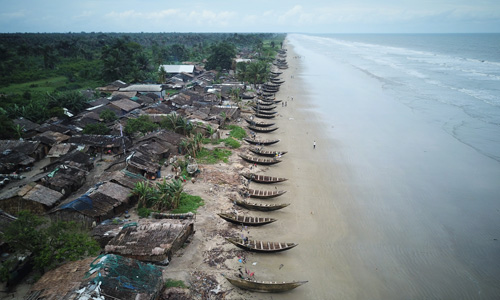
(34, 192)
(118, 278)
(125, 178)
(25, 124)
(99, 201)
(144, 161)
(60, 150)
(51, 137)
(149, 240)
(163, 135)
(25, 147)
(100, 141)
(126, 104)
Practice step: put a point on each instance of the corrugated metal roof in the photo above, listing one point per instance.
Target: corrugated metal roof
(143, 88)
(177, 68)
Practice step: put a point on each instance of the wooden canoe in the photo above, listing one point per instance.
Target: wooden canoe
(264, 107)
(269, 153)
(260, 246)
(265, 103)
(260, 142)
(264, 112)
(259, 123)
(260, 160)
(263, 116)
(261, 194)
(246, 220)
(264, 286)
(259, 206)
(279, 81)
(262, 129)
(263, 178)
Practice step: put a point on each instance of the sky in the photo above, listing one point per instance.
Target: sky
(313, 16)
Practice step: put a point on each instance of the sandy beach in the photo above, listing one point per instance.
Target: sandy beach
(311, 189)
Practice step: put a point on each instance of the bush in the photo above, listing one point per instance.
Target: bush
(97, 128)
(237, 132)
(143, 212)
(212, 157)
(188, 203)
(231, 142)
(170, 283)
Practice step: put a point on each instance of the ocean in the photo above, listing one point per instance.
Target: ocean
(415, 120)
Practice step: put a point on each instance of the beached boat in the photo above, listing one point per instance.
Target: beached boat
(263, 116)
(260, 142)
(262, 194)
(277, 81)
(260, 246)
(269, 153)
(260, 160)
(265, 112)
(264, 286)
(259, 123)
(259, 206)
(263, 107)
(263, 178)
(245, 220)
(262, 129)
(265, 103)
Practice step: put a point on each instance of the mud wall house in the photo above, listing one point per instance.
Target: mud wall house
(117, 277)
(102, 143)
(28, 128)
(33, 197)
(65, 179)
(143, 163)
(124, 106)
(19, 155)
(151, 240)
(50, 138)
(100, 203)
(169, 139)
(111, 87)
(231, 112)
(74, 158)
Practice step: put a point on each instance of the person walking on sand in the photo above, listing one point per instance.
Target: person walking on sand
(314, 145)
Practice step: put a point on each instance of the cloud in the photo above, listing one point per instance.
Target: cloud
(13, 15)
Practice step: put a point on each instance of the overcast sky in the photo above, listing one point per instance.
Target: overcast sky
(313, 16)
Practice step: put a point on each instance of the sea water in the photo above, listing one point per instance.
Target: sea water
(416, 121)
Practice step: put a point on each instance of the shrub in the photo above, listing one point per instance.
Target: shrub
(237, 132)
(231, 142)
(212, 157)
(143, 212)
(188, 203)
(170, 283)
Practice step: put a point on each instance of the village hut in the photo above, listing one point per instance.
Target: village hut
(74, 158)
(125, 178)
(125, 106)
(65, 179)
(157, 89)
(27, 127)
(101, 143)
(142, 162)
(33, 197)
(87, 118)
(151, 240)
(168, 139)
(105, 277)
(111, 87)
(59, 150)
(19, 155)
(103, 201)
(50, 138)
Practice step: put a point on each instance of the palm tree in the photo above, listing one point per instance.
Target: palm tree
(145, 193)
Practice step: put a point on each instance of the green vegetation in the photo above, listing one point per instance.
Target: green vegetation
(142, 124)
(161, 196)
(96, 128)
(188, 203)
(50, 244)
(231, 142)
(237, 132)
(221, 56)
(143, 212)
(206, 156)
(108, 115)
(170, 283)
